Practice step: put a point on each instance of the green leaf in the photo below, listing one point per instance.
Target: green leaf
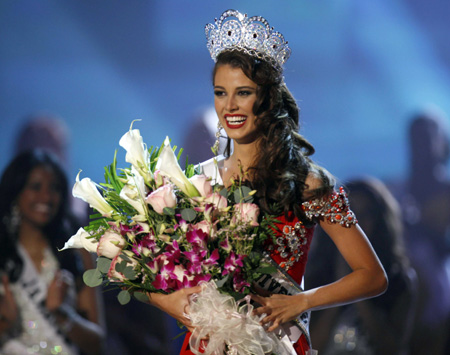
(140, 296)
(103, 264)
(221, 282)
(129, 273)
(266, 270)
(92, 278)
(124, 297)
(224, 192)
(188, 214)
(242, 195)
(125, 257)
(169, 211)
(121, 266)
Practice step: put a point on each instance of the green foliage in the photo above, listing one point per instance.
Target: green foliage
(92, 278)
(141, 297)
(188, 214)
(103, 264)
(124, 297)
(242, 194)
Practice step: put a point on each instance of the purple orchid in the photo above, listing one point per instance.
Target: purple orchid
(232, 263)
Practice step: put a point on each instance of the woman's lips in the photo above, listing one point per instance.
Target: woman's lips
(235, 121)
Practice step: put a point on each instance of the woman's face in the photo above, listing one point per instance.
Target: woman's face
(40, 199)
(234, 97)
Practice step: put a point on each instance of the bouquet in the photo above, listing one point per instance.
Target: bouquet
(158, 228)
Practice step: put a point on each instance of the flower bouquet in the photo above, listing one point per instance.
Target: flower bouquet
(160, 229)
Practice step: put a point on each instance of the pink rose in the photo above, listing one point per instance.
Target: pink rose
(161, 198)
(202, 183)
(205, 226)
(113, 274)
(247, 213)
(217, 200)
(110, 244)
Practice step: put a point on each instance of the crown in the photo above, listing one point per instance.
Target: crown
(252, 35)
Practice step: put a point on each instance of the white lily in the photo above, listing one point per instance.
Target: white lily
(168, 166)
(87, 191)
(137, 154)
(81, 240)
(134, 192)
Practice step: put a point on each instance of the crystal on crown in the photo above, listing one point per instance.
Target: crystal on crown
(253, 35)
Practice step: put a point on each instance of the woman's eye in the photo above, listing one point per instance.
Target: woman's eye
(219, 93)
(245, 93)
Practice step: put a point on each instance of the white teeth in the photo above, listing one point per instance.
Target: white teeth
(235, 119)
(42, 208)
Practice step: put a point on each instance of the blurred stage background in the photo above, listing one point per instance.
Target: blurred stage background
(359, 69)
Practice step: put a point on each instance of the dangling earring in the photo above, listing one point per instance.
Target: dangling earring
(215, 147)
(12, 221)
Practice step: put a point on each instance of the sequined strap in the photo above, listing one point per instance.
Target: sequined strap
(335, 208)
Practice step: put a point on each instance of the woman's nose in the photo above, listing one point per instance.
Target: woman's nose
(231, 103)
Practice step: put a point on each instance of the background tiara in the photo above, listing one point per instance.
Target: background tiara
(234, 30)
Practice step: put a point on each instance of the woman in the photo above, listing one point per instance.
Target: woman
(382, 325)
(260, 118)
(44, 307)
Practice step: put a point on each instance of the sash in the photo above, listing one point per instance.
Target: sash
(280, 282)
(38, 329)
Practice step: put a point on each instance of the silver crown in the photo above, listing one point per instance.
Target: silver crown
(252, 35)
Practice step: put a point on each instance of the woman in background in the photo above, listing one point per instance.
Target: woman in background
(381, 325)
(44, 306)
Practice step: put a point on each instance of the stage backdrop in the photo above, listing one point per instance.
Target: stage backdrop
(359, 69)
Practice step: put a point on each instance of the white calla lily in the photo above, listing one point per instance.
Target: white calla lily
(137, 155)
(168, 166)
(87, 191)
(81, 240)
(134, 191)
(132, 196)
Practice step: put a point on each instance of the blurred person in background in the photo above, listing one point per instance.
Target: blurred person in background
(426, 208)
(381, 325)
(44, 306)
(49, 132)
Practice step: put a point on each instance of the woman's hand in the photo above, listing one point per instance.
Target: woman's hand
(8, 306)
(58, 289)
(176, 304)
(279, 309)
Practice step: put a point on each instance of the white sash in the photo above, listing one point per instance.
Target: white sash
(39, 333)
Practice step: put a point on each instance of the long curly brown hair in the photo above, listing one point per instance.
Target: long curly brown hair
(283, 161)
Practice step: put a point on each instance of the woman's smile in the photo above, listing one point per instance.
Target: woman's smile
(235, 121)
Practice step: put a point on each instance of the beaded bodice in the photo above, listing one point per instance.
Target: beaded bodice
(293, 237)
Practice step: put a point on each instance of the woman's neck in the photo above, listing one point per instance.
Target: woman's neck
(244, 155)
(241, 160)
(33, 240)
(31, 236)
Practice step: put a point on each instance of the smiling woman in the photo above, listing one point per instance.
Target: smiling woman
(43, 307)
(235, 96)
(261, 119)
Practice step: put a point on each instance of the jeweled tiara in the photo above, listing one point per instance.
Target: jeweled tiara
(234, 30)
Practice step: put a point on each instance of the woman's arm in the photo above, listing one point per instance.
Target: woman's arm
(367, 279)
(8, 307)
(82, 325)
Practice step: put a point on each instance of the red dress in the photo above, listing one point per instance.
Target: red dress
(292, 243)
